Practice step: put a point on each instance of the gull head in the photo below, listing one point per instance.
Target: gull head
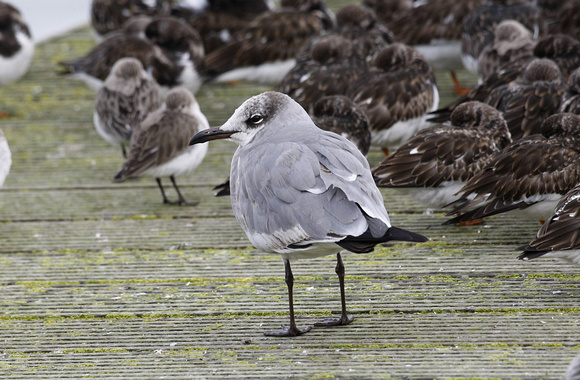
(267, 111)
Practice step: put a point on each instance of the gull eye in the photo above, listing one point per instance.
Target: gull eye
(256, 119)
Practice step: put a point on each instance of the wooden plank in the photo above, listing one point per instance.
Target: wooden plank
(102, 280)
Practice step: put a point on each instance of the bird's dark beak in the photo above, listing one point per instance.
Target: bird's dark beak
(210, 134)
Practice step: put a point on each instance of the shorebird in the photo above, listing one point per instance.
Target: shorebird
(217, 21)
(396, 92)
(110, 15)
(530, 175)
(511, 42)
(170, 51)
(16, 44)
(328, 65)
(528, 100)
(559, 236)
(300, 191)
(126, 98)
(159, 146)
(480, 24)
(265, 50)
(436, 162)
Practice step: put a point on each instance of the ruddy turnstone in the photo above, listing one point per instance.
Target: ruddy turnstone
(396, 93)
(359, 24)
(563, 50)
(437, 161)
(265, 50)
(528, 100)
(530, 175)
(327, 66)
(480, 24)
(511, 41)
(559, 235)
(110, 15)
(16, 45)
(218, 21)
(434, 28)
(571, 98)
(171, 51)
(388, 11)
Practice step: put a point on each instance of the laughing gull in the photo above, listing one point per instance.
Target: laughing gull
(300, 191)
(126, 98)
(338, 114)
(159, 144)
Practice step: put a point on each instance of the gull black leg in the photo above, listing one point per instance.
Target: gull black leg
(344, 319)
(291, 330)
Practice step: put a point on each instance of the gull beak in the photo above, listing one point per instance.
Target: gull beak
(210, 134)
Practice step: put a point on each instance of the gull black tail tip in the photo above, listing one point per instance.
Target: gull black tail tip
(404, 235)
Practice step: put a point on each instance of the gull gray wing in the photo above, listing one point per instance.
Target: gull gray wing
(288, 193)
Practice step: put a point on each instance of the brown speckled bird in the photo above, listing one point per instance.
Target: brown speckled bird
(359, 24)
(339, 114)
(218, 20)
(511, 42)
(530, 174)
(110, 15)
(265, 50)
(169, 49)
(528, 100)
(435, 163)
(16, 45)
(559, 236)
(563, 50)
(159, 146)
(480, 24)
(327, 66)
(126, 98)
(396, 93)
(571, 98)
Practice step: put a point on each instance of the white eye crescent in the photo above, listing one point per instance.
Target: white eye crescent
(256, 119)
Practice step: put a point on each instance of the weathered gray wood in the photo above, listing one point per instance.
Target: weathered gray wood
(102, 280)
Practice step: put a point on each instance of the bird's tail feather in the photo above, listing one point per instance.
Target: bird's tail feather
(366, 242)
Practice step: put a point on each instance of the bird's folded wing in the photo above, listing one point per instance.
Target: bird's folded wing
(286, 193)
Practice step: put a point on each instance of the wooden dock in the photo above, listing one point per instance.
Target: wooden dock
(101, 280)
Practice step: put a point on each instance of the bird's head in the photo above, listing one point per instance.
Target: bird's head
(249, 119)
